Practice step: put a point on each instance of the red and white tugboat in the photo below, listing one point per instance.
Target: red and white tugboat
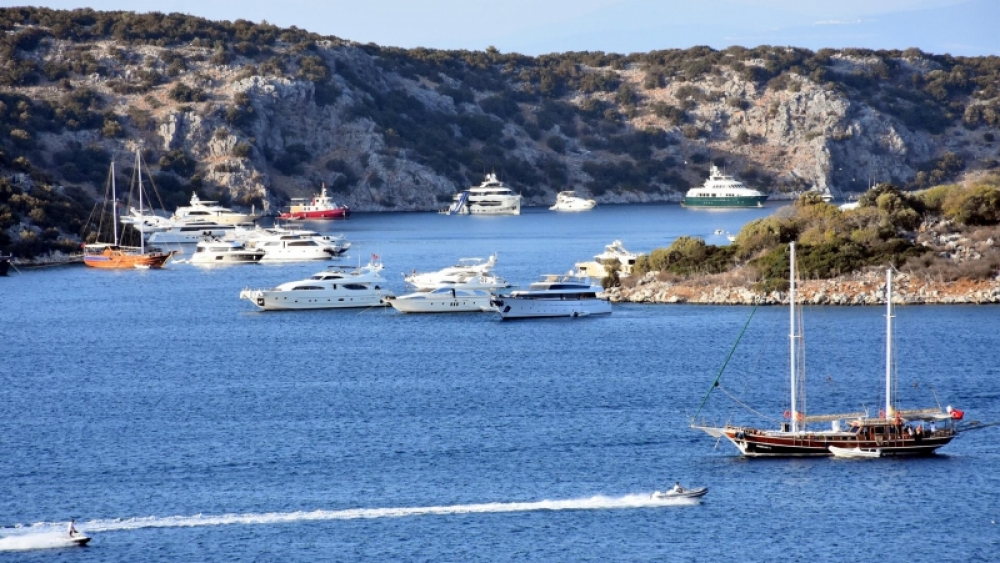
(318, 208)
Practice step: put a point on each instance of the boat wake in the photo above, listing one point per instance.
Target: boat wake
(45, 535)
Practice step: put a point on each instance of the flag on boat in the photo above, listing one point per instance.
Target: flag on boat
(375, 257)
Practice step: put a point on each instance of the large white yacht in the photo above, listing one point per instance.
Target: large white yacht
(293, 248)
(210, 211)
(721, 190)
(569, 201)
(333, 288)
(225, 252)
(491, 197)
(464, 268)
(190, 232)
(614, 252)
(567, 295)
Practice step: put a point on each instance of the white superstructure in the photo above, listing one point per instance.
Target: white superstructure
(491, 197)
(443, 300)
(333, 288)
(569, 201)
(464, 268)
(190, 232)
(554, 296)
(613, 252)
(225, 252)
(210, 211)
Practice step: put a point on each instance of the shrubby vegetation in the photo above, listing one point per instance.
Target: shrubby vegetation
(832, 242)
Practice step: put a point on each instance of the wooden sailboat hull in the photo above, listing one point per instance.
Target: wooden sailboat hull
(757, 443)
(120, 260)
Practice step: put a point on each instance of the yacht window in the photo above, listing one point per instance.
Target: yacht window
(354, 286)
(307, 288)
(302, 243)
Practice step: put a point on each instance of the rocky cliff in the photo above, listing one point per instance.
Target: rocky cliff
(251, 113)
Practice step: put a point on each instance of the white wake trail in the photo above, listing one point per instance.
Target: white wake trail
(19, 535)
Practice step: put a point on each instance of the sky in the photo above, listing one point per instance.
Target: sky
(534, 27)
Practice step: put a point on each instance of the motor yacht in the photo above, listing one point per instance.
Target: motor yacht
(567, 295)
(569, 201)
(225, 252)
(256, 236)
(293, 248)
(190, 232)
(443, 300)
(491, 197)
(614, 252)
(464, 268)
(334, 288)
(722, 190)
(210, 211)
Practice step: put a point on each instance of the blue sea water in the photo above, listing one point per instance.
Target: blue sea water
(177, 423)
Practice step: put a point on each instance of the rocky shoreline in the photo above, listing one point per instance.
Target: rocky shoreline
(867, 288)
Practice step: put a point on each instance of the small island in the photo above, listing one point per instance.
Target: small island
(944, 242)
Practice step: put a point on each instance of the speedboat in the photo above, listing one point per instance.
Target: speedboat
(321, 206)
(334, 288)
(614, 252)
(443, 300)
(225, 252)
(722, 190)
(491, 197)
(678, 494)
(464, 268)
(567, 295)
(569, 201)
(210, 211)
(856, 453)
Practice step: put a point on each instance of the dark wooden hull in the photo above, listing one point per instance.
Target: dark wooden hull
(757, 443)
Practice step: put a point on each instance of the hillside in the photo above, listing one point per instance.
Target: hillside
(252, 114)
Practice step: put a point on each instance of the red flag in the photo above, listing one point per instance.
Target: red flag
(375, 257)
(957, 414)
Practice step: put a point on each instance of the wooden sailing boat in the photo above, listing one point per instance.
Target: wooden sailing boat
(112, 255)
(893, 432)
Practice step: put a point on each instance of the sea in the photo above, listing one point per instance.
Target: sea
(176, 423)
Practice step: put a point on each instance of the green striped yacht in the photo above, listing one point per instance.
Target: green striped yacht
(721, 190)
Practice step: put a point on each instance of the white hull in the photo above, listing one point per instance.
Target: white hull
(510, 209)
(226, 258)
(442, 303)
(287, 301)
(516, 308)
(187, 236)
(855, 453)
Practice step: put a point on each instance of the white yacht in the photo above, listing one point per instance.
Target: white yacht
(721, 190)
(464, 268)
(569, 201)
(256, 236)
(225, 252)
(189, 232)
(211, 211)
(491, 197)
(145, 221)
(614, 251)
(443, 300)
(293, 248)
(333, 288)
(554, 296)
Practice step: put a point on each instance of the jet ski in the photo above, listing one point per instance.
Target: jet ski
(681, 493)
(79, 539)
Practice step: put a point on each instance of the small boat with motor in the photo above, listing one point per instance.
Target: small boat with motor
(79, 539)
(680, 492)
(320, 207)
(569, 201)
(855, 453)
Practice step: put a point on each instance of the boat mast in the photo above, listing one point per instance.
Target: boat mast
(791, 335)
(138, 163)
(114, 204)
(888, 344)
